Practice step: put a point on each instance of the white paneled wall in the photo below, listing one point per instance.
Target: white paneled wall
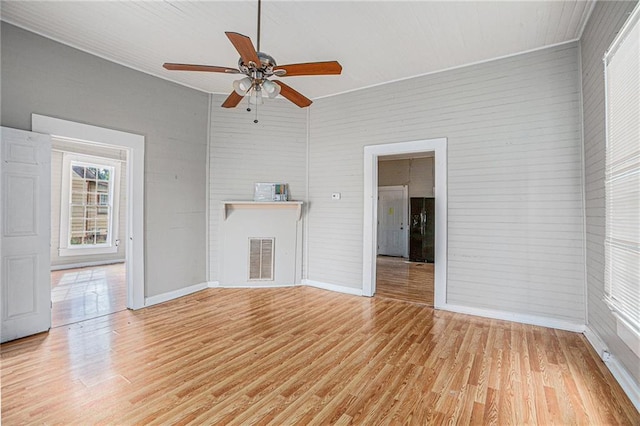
(242, 152)
(605, 22)
(514, 179)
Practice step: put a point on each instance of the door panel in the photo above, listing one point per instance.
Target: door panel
(25, 170)
(392, 221)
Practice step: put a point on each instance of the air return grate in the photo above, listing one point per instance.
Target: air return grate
(261, 256)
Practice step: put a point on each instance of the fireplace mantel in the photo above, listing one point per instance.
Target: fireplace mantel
(227, 206)
(245, 221)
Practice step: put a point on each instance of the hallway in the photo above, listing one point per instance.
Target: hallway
(399, 279)
(84, 293)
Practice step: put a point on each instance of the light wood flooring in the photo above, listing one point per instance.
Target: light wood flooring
(82, 293)
(302, 355)
(400, 279)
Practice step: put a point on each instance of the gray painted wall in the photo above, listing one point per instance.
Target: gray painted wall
(242, 153)
(514, 178)
(416, 173)
(605, 22)
(44, 77)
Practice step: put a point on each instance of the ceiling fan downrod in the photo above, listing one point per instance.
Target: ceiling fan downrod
(259, 13)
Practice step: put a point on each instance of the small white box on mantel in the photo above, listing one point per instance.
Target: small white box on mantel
(268, 191)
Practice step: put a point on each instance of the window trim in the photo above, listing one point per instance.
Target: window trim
(66, 249)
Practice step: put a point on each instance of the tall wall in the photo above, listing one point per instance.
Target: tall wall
(606, 20)
(44, 77)
(242, 153)
(514, 178)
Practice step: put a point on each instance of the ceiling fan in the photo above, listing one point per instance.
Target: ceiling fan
(258, 67)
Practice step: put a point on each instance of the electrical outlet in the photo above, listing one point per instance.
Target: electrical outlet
(335, 196)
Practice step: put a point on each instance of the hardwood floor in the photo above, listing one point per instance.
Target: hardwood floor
(400, 279)
(82, 293)
(302, 355)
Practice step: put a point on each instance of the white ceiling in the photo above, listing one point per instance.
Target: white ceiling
(376, 42)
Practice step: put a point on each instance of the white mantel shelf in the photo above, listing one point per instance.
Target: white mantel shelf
(226, 205)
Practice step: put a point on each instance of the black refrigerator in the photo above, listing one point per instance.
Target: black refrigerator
(422, 230)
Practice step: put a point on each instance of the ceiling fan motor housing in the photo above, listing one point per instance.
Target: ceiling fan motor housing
(267, 62)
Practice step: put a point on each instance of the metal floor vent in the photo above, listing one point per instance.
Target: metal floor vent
(261, 257)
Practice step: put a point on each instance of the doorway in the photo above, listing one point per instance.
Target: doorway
(88, 210)
(372, 154)
(132, 148)
(405, 273)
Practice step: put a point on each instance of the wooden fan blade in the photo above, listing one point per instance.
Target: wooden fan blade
(206, 68)
(232, 101)
(244, 47)
(293, 95)
(311, 68)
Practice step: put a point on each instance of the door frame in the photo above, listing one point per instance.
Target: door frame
(370, 234)
(134, 146)
(405, 214)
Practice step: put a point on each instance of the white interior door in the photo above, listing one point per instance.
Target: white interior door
(392, 220)
(25, 170)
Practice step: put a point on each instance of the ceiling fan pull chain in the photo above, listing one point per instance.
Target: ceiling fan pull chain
(256, 119)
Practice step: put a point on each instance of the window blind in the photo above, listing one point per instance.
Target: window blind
(622, 173)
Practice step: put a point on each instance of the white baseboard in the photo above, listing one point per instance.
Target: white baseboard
(255, 286)
(165, 297)
(333, 287)
(627, 382)
(212, 284)
(516, 317)
(85, 264)
(597, 343)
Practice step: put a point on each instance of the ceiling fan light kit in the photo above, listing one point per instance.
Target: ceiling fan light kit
(255, 98)
(258, 67)
(242, 86)
(272, 89)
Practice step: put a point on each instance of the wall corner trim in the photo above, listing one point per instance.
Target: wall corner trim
(516, 317)
(626, 381)
(333, 287)
(165, 297)
(212, 284)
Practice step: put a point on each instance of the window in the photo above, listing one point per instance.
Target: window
(90, 209)
(622, 181)
(89, 205)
